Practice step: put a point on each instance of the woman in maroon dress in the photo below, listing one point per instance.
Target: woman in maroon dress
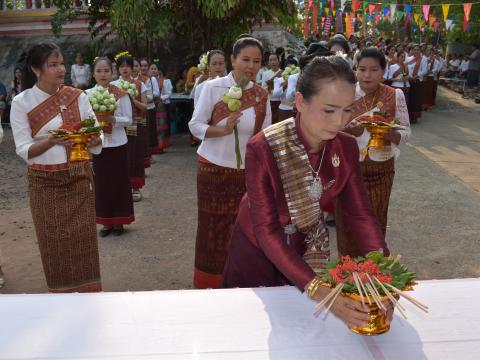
(293, 169)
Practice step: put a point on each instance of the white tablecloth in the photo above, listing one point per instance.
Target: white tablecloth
(266, 323)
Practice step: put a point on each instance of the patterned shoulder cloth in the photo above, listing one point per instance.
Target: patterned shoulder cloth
(138, 114)
(383, 100)
(256, 96)
(116, 91)
(297, 178)
(64, 102)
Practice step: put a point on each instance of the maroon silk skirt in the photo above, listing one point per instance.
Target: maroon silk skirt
(113, 195)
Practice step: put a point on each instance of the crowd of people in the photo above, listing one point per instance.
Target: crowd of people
(281, 143)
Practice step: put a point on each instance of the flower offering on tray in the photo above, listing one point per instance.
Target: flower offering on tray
(78, 134)
(129, 87)
(380, 119)
(102, 101)
(290, 70)
(371, 280)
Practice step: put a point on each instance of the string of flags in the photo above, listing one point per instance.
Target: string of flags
(343, 15)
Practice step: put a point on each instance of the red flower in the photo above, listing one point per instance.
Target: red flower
(67, 127)
(370, 268)
(337, 275)
(387, 278)
(348, 265)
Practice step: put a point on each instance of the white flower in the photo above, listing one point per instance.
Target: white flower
(95, 107)
(111, 107)
(235, 92)
(103, 108)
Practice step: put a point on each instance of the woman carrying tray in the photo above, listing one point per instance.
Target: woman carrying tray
(377, 164)
(62, 194)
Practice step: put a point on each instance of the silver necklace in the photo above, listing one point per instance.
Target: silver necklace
(316, 188)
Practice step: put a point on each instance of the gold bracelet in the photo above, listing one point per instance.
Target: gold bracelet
(313, 286)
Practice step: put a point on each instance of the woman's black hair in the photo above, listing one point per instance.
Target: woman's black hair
(16, 82)
(323, 68)
(291, 61)
(125, 59)
(243, 42)
(101, 58)
(373, 53)
(315, 49)
(211, 53)
(37, 56)
(341, 41)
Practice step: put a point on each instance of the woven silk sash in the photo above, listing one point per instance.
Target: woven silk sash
(384, 99)
(116, 91)
(64, 102)
(296, 175)
(256, 96)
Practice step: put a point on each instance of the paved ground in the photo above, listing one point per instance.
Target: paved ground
(433, 219)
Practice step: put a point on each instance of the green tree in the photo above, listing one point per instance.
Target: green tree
(143, 24)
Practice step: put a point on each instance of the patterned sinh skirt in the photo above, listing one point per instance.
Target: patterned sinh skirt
(136, 170)
(113, 195)
(428, 98)
(378, 179)
(163, 126)
(415, 100)
(152, 131)
(143, 150)
(219, 190)
(63, 210)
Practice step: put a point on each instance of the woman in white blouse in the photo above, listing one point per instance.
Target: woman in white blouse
(398, 73)
(377, 164)
(136, 133)
(217, 65)
(162, 108)
(62, 199)
(113, 197)
(268, 82)
(221, 175)
(80, 73)
(417, 69)
(284, 89)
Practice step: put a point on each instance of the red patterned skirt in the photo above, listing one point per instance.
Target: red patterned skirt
(378, 179)
(219, 191)
(136, 169)
(63, 209)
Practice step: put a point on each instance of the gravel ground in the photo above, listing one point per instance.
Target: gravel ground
(433, 218)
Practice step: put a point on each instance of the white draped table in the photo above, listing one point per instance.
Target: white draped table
(264, 323)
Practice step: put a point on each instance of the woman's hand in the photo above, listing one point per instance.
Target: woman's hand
(393, 135)
(93, 140)
(58, 140)
(353, 313)
(232, 120)
(355, 128)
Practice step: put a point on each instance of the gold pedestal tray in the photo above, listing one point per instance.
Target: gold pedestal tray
(376, 137)
(79, 151)
(377, 324)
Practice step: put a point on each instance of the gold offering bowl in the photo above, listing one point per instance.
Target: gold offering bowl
(106, 126)
(377, 324)
(376, 138)
(79, 151)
